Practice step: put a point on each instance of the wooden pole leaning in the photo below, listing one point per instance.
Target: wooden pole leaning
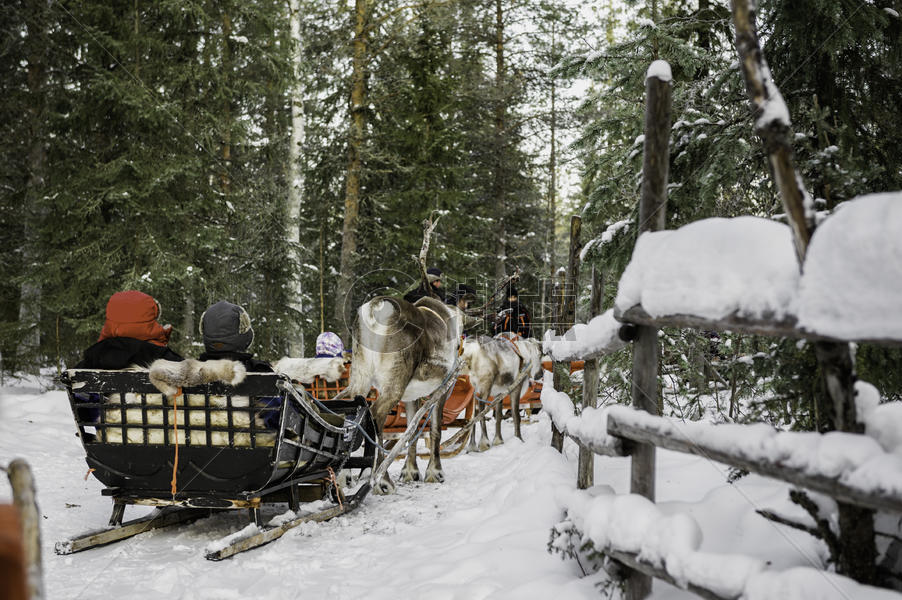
(858, 551)
(25, 500)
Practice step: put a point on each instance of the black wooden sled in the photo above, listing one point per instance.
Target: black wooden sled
(215, 447)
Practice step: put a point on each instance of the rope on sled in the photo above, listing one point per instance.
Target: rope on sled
(173, 485)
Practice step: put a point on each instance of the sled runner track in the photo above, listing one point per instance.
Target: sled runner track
(268, 535)
(156, 520)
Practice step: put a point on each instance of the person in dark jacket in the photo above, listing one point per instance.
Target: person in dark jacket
(131, 335)
(461, 296)
(434, 277)
(227, 332)
(513, 316)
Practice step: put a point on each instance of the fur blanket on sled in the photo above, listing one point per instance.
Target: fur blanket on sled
(168, 376)
(305, 370)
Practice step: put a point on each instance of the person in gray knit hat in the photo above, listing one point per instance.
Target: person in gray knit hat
(227, 332)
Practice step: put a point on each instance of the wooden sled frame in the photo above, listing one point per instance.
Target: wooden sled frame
(239, 447)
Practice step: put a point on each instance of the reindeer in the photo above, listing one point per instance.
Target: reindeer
(493, 365)
(405, 351)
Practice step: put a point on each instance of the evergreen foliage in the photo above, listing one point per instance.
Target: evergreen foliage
(835, 63)
(148, 147)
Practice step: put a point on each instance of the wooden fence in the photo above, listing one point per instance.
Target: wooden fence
(638, 438)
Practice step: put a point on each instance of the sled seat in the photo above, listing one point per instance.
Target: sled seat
(242, 440)
(321, 389)
(460, 401)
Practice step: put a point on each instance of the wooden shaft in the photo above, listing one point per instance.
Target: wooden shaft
(22, 483)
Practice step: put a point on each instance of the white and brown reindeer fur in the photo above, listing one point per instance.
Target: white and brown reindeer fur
(493, 365)
(405, 351)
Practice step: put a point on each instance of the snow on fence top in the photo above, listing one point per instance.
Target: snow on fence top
(869, 464)
(713, 268)
(630, 523)
(659, 69)
(852, 286)
(585, 339)
(589, 427)
(746, 267)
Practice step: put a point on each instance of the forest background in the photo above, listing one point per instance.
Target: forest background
(283, 155)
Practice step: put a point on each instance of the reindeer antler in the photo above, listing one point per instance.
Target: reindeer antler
(428, 228)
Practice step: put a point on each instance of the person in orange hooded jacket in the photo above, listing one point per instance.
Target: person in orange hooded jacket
(131, 334)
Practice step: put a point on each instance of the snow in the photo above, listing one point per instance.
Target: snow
(590, 427)
(606, 236)
(659, 69)
(747, 266)
(808, 584)
(482, 535)
(883, 422)
(673, 541)
(713, 268)
(585, 339)
(774, 109)
(858, 461)
(853, 271)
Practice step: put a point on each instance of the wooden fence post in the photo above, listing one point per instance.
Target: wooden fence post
(585, 472)
(567, 311)
(646, 349)
(557, 296)
(857, 552)
(22, 484)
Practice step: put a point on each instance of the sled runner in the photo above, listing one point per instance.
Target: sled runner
(215, 446)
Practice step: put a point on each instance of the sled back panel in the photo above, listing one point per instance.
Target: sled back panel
(231, 439)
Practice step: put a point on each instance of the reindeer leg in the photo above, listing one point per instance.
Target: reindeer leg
(380, 410)
(515, 409)
(499, 410)
(471, 445)
(434, 472)
(410, 472)
(483, 444)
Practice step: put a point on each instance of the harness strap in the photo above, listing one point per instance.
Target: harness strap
(514, 346)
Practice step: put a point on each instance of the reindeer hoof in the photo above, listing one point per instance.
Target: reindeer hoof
(384, 487)
(483, 446)
(435, 477)
(498, 441)
(408, 475)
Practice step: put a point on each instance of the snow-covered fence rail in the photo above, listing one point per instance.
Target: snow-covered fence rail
(848, 467)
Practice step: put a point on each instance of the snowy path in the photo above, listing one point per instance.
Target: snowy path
(483, 534)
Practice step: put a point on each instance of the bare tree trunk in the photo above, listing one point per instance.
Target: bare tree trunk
(226, 51)
(498, 186)
(296, 179)
(552, 170)
(30, 291)
(344, 301)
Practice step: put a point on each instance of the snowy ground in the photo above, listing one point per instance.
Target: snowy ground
(483, 534)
